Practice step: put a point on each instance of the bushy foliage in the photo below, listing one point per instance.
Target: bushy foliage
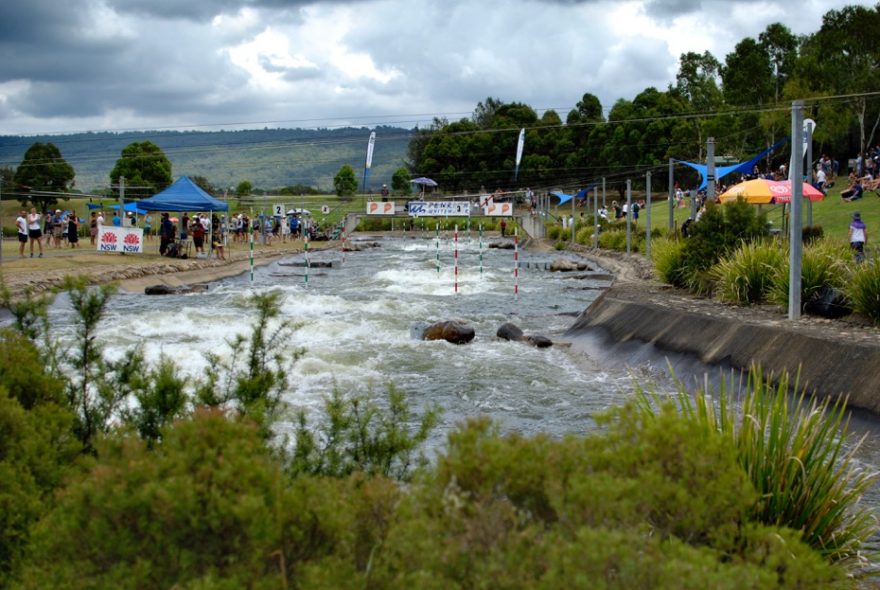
(747, 275)
(824, 264)
(863, 289)
(357, 435)
(720, 230)
(656, 501)
(666, 255)
(797, 454)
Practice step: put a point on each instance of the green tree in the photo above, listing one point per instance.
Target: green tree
(345, 182)
(400, 181)
(43, 175)
(747, 74)
(146, 168)
(204, 184)
(781, 45)
(244, 188)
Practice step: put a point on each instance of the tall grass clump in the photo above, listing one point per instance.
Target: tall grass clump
(613, 240)
(863, 289)
(746, 276)
(798, 455)
(824, 264)
(668, 261)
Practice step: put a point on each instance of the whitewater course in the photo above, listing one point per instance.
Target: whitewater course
(361, 316)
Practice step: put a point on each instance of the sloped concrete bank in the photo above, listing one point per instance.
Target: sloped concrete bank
(830, 366)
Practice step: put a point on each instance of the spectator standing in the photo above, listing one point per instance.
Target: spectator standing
(21, 225)
(73, 230)
(858, 236)
(35, 234)
(166, 233)
(93, 228)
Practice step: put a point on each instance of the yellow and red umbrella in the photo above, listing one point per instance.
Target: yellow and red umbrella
(762, 192)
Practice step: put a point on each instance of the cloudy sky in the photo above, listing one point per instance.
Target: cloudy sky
(80, 65)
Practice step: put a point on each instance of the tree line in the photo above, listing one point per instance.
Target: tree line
(743, 102)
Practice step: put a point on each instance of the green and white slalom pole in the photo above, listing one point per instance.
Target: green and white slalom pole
(251, 234)
(307, 260)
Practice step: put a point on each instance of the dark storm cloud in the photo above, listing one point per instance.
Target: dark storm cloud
(201, 10)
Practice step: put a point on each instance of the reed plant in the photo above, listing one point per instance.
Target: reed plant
(798, 454)
(863, 289)
(824, 264)
(746, 276)
(666, 254)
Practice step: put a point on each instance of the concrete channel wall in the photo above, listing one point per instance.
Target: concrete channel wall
(826, 368)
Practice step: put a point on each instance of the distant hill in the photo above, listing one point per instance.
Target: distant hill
(268, 158)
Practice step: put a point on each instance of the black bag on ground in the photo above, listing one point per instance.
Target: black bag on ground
(827, 302)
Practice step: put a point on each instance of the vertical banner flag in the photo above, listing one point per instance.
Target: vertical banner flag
(519, 151)
(369, 161)
(808, 130)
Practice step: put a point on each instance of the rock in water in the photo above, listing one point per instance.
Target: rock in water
(182, 289)
(509, 331)
(451, 331)
(538, 341)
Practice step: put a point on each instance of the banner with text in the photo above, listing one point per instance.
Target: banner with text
(439, 208)
(380, 208)
(120, 239)
(498, 210)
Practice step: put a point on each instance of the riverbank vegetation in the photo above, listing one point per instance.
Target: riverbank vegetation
(125, 474)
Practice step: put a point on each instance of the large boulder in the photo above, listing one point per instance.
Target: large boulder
(513, 333)
(502, 245)
(452, 331)
(538, 341)
(509, 331)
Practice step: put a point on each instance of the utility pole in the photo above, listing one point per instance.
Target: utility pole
(795, 221)
(648, 215)
(629, 209)
(671, 199)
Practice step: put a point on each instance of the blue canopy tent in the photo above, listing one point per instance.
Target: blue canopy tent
(722, 171)
(183, 195)
(132, 206)
(563, 198)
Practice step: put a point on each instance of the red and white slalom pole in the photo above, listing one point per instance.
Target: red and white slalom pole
(516, 262)
(455, 258)
(344, 246)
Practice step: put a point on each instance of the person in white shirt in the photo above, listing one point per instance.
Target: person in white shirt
(22, 226)
(35, 234)
(821, 179)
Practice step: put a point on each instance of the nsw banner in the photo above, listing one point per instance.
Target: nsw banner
(120, 239)
(439, 208)
(498, 210)
(380, 208)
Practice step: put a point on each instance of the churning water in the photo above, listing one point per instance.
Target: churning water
(356, 323)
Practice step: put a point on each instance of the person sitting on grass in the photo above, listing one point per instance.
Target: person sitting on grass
(854, 192)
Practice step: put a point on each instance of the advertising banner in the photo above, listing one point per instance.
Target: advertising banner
(439, 208)
(120, 239)
(498, 210)
(380, 208)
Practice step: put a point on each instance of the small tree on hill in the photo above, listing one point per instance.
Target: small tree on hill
(43, 170)
(146, 168)
(244, 188)
(400, 181)
(345, 182)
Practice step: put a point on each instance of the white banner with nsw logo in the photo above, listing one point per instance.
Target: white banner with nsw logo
(439, 208)
(498, 210)
(120, 239)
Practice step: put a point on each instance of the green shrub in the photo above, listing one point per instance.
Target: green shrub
(554, 232)
(798, 456)
(585, 236)
(560, 245)
(668, 261)
(747, 275)
(863, 289)
(824, 264)
(613, 240)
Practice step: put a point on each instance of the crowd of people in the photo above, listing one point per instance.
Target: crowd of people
(60, 229)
